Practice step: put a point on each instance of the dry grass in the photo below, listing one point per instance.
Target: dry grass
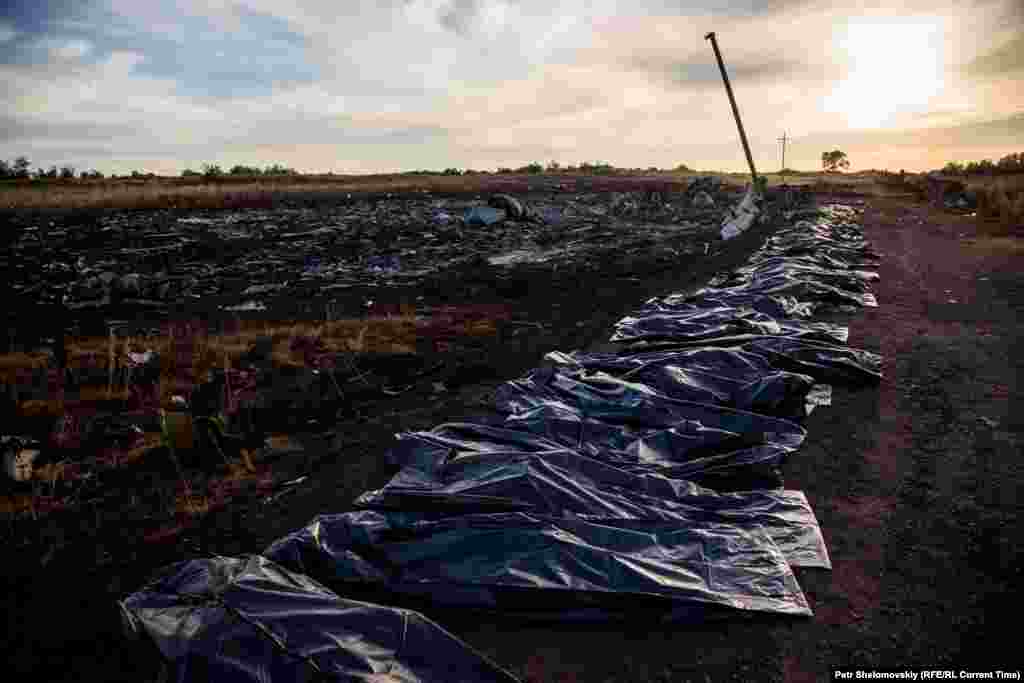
(1000, 204)
(238, 192)
(186, 362)
(13, 366)
(996, 244)
(226, 192)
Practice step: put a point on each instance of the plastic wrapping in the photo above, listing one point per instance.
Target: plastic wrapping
(241, 620)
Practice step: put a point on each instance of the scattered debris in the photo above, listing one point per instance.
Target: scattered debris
(703, 200)
(19, 457)
(483, 215)
(512, 206)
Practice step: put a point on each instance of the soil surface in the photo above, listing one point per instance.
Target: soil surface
(916, 483)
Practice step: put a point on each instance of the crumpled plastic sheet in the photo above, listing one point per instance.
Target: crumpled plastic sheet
(697, 324)
(681, 448)
(248, 619)
(563, 482)
(728, 377)
(541, 566)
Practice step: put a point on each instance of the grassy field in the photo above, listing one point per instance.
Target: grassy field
(254, 191)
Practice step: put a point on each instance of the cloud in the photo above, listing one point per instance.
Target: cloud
(1008, 58)
(698, 73)
(72, 49)
(458, 15)
(376, 84)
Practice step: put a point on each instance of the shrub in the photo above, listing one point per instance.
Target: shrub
(278, 169)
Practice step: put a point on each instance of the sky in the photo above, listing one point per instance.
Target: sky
(360, 86)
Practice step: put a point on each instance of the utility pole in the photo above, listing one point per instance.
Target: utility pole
(735, 110)
(783, 140)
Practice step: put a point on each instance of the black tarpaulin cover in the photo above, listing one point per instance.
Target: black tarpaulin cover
(241, 620)
(566, 483)
(526, 564)
(728, 377)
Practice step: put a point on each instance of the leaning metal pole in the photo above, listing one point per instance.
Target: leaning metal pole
(735, 110)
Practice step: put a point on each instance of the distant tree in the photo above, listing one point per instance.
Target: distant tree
(240, 169)
(505, 169)
(986, 166)
(67, 172)
(212, 170)
(553, 167)
(953, 168)
(5, 169)
(20, 167)
(451, 171)
(93, 173)
(834, 161)
(683, 168)
(278, 169)
(470, 171)
(597, 168)
(1011, 163)
(188, 173)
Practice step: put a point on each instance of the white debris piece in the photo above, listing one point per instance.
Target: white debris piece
(743, 215)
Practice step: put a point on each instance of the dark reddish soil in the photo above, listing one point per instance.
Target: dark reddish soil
(916, 485)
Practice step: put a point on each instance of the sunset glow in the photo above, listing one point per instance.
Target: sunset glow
(895, 68)
(368, 87)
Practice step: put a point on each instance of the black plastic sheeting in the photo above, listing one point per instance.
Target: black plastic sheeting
(645, 479)
(248, 619)
(565, 483)
(534, 566)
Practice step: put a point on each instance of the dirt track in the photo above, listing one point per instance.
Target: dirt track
(916, 485)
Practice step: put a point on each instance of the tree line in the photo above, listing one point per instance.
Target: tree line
(1011, 163)
(21, 168)
(553, 167)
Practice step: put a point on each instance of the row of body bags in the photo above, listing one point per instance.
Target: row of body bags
(643, 481)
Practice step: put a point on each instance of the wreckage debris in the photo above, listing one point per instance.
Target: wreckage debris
(245, 260)
(512, 207)
(703, 200)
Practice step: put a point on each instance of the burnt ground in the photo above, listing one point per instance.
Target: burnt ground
(916, 483)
